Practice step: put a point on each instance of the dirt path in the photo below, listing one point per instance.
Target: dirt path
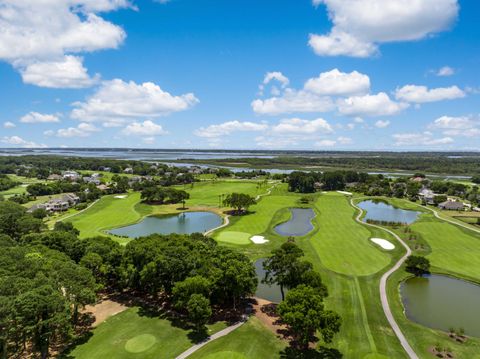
(264, 311)
(383, 286)
(104, 310)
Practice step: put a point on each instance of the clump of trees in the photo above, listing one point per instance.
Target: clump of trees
(46, 277)
(6, 182)
(302, 309)
(162, 195)
(240, 202)
(417, 265)
(309, 182)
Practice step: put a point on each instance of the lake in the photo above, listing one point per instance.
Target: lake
(382, 211)
(264, 291)
(182, 223)
(442, 302)
(299, 224)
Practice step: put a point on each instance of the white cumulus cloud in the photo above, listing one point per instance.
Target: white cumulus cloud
(18, 141)
(464, 126)
(9, 124)
(370, 105)
(68, 72)
(445, 71)
(422, 94)
(145, 128)
(82, 130)
(117, 102)
(229, 127)
(35, 117)
(293, 126)
(420, 139)
(382, 123)
(36, 35)
(359, 26)
(337, 83)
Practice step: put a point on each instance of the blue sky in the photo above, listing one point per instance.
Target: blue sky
(241, 74)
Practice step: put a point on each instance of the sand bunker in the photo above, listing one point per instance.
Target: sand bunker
(383, 243)
(259, 239)
(346, 193)
(121, 197)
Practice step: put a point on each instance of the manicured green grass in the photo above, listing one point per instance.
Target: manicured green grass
(132, 334)
(251, 341)
(257, 222)
(453, 248)
(207, 193)
(108, 212)
(342, 244)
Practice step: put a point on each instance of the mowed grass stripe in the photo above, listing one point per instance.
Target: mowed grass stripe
(453, 249)
(108, 212)
(342, 244)
(251, 341)
(259, 220)
(134, 334)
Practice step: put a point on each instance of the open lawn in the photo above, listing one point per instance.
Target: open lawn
(258, 221)
(251, 341)
(108, 212)
(454, 249)
(342, 244)
(134, 334)
(111, 212)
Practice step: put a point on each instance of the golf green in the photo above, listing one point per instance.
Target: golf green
(140, 343)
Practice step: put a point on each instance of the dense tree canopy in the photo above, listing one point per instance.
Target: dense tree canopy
(239, 201)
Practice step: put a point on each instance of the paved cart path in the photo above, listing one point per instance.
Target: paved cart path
(383, 286)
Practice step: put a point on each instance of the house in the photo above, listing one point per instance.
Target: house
(476, 209)
(54, 177)
(71, 176)
(103, 187)
(91, 179)
(71, 198)
(37, 206)
(427, 195)
(452, 206)
(57, 205)
(128, 170)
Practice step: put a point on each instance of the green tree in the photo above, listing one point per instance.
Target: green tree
(417, 265)
(199, 310)
(239, 201)
(182, 291)
(304, 313)
(282, 266)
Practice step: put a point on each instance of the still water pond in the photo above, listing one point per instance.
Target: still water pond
(182, 223)
(442, 302)
(299, 224)
(382, 211)
(265, 291)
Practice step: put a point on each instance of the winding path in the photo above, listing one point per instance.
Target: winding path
(217, 335)
(449, 220)
(383, 286)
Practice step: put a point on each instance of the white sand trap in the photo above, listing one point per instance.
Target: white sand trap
(121, 197)
(346, 193)
(383, 243)
(258, 239)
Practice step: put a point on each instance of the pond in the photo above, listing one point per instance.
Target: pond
(299, 224)
(264, 291)
(382, 211)
(442, 302)
(182, 223)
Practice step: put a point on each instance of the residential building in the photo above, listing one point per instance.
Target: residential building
(452, 206)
